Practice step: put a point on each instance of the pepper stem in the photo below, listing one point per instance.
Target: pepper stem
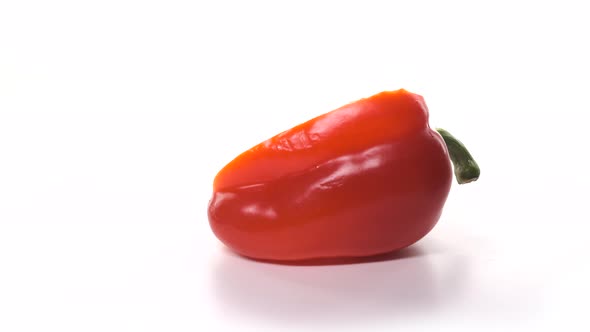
(466, 169)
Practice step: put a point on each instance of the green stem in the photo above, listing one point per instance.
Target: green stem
(466, 169)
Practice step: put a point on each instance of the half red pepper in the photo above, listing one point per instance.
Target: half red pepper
(368, 178)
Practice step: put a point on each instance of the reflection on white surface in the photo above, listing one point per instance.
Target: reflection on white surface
(400, 285)
(433, 282)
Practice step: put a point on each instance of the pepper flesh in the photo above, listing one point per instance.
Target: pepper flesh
(368, 178)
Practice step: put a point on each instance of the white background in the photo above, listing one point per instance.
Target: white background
(116, 115)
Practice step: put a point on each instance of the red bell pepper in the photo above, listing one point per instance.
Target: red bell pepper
(368, 178)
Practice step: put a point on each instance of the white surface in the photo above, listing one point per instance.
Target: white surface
(116, 115)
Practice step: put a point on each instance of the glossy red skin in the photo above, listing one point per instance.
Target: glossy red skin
(365, 179)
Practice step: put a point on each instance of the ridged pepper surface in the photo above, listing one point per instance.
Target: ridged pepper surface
(368, 178)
